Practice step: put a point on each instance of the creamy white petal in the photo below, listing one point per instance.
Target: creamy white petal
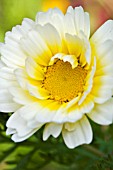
(6, 102)
(18, 126)
(38, 92)
(69, 24)
(19, 31)
(77, 133)
(51, 111)
(5, 96)
(105, 32)
(52, 129)
(29, 111)
(104, 54)
(7, 73)
(6, 83)
(48, 111)
(101, 95)
(16, 122)
(41, 111)
(34, 124)
(81, 20)
(21, 96)
(8, 62)
(12, 54)
(9, 107)
(1, 64)
(102, 113)
(52, 16)
(74, 44)
(54, 112)
(10, 131)
(23, 79)
(33, 69)
(103, 81)
(51, 37)
(105, 70)
(85, 107)
(16, 138)
(86, 49)
(89, 83)
(102, 88)
(35, 47)
(72, 59)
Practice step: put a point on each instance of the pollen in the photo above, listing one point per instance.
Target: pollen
(64, 83)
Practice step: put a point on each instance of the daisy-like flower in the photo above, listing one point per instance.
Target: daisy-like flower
(54, 75)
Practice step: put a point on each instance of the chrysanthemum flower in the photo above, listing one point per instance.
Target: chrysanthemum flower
(53, 75)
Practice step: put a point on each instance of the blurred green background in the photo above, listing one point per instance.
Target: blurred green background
(34, 154)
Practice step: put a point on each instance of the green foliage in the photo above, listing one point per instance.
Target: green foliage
(35, 154)
(12, 13)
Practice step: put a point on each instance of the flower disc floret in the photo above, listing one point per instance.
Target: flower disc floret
(64, 83)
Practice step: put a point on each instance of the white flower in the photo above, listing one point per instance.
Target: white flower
(52, 74)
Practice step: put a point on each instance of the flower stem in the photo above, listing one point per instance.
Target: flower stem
(94, 150)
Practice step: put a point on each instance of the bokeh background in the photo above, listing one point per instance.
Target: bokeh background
(34, 154)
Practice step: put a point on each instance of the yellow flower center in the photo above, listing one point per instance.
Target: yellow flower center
(64, 83)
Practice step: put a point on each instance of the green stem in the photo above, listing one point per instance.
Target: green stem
(94, 150)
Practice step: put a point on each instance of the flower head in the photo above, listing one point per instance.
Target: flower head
(54, 75)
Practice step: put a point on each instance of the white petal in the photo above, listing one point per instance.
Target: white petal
(9, 107)
(34, 124)
(102, 89)
(51, 37)
(1, 64)
(104, 81)
(54, 112)
(5, 96)
(74, 44)
(38, 92)
(18, 126)
(102, 113)
(7, 73)
(102, 96)
(10, 131)
(105, 32)
(16, 138)
(6, 83)
(79, 133)
(12, 54)
(48, 111)
(33, 69)
(35, 47)
(29, 111)
(21, 96)
(81, 20)
(6, 102)
(105, 70)
(52, 16)
(104, 54)
(89, 83)
(23, 78)
(19, 31)
(69, 25)
(7, 78)
(52, 129)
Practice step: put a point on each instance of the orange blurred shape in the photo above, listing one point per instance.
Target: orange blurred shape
(61, 4)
